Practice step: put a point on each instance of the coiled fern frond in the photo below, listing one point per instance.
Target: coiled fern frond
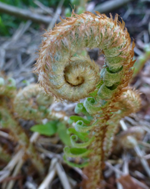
(68, 75)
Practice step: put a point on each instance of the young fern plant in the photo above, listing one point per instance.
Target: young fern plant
(8, 120)
(67, 75)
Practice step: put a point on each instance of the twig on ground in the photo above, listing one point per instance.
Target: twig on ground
(34, 137)
(125, 165)
(5, 135)
(25, 14)
(143, 161)
(138, 152)
(119, 186)
(110, 5)
(56, 15)
(78, 170)
(7, 170)
(63, 177)
(43, 7)
(115, 169)
(52, 172)
(16, 36)
(16, 171)
(147, 145)
(50, 154)
(122, 174)
(146, 156)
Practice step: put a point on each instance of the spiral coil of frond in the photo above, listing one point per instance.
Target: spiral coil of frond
(64, 74)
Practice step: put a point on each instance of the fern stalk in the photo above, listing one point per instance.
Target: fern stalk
(7, 120)
(20, 136)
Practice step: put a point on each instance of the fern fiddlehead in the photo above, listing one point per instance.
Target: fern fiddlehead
(31, 103)
(67, 75)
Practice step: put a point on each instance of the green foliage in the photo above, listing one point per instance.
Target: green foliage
(51, 128)
(76, 152)
(76, 118)
(80, 109)
(74, 139)
(75, 2)
(81, 136)
(8, 23)
(29, 3)
(62, 133)
(26, 82)
(79, 140)
(71, 164)
(47, 129)
(67, 12)
(80, 10)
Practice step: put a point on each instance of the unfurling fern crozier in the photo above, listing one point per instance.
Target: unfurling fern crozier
(68, 75)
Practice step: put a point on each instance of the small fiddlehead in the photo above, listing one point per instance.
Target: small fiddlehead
(129, 102)
(67, 75)
(31, 103)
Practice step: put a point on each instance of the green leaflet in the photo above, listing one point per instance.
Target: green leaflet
(47, 129)
(76, 152)
(51, 128)
(77, 118)
(82, 136)
(75, 2)
(81, 127)
(80, 109)
(92, 106)
(62, 132)
(111, 78)
(105, 93)
(74, 139)
(71, 164)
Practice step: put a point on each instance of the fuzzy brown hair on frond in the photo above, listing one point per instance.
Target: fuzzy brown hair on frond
(65, 73)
